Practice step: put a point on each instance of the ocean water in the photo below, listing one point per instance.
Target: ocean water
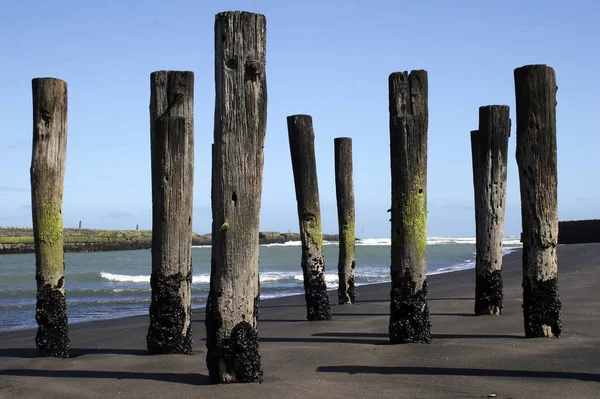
(105, 285)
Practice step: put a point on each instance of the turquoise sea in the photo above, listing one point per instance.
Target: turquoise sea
(103, 285)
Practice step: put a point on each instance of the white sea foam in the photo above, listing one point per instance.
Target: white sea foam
(272, 277)
(284, 244)
(373, 241)
(450, 240)
(201, 279)
(278, 294)
(506, 251)
(295, 244)
(370, 275)
(329, 277)
(125, 278)
(507, 241)
(453, 268)
(269, 277)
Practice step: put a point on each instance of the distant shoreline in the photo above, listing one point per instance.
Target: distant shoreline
(17, 240)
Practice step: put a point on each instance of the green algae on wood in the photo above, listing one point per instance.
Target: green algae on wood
(47, 184)
(349, 241)
(409, 315)
(224, 227)
(302, 149)
(414, 218)
(312, 231)
(49, 235)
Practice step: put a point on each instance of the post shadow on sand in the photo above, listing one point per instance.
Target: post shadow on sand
(362, 314)
(372, 338)
(450, 299)
(282, 321)
(364, 341)
(188, 378)
(437, 336)
(268, 321)
(281, 306)
(387, 370)
(429, 299)
(453, 314)
(30, 353)
(388, 315)
(318, 340)
(359, 301)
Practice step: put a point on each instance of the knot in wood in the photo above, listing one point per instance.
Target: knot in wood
(45, 115)
(253, 69)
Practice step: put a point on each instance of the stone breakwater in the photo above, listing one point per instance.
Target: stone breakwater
(20, 240)
(578, 231)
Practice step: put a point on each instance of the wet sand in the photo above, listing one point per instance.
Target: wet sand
(349, 357)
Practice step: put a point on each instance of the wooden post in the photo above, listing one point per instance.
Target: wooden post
(240, 128)
(302, 148)
(489, 147)
(409, 315)
(344, 187)
(535, 90)
(47, 184)
(172, 153)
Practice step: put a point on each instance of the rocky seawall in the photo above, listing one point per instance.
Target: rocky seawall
(578, 231)
(20, 240)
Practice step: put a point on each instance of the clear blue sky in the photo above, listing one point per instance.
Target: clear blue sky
(330, 59)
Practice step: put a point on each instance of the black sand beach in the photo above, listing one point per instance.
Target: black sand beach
(349, 357)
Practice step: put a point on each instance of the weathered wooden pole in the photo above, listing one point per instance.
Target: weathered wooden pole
(47, 183)
(535, 90)
(240, 127)
(489, 147)
(304, 165)
(172, 153)
(409, 315)
(344, 188)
